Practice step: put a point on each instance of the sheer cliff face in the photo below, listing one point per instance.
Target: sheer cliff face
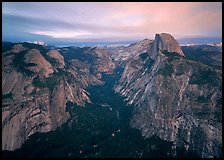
(175, 98)
(164, 41)
(36, 84)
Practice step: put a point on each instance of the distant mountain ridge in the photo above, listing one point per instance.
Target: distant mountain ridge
(207, 54)
(202, 40)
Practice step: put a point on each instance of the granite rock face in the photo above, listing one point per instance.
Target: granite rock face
(104, 62)
(175, 98)
(122, 54)
(58, 57)
(40, 63)
(162, 42)
(36, 85)
(89, 59)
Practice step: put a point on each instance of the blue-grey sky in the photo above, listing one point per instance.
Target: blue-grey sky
(98, 22)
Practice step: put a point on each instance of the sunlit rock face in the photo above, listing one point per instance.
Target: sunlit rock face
(124, 53)
(58, 57)
(104, 62)
(164, 41)
(175, 98)
(36, 85)
(40, 63)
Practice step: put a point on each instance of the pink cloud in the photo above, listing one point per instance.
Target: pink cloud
(126, 19)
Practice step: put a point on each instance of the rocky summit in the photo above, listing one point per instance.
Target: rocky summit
(36, 85)
(162, 42)
(152, 98)
(175, 98)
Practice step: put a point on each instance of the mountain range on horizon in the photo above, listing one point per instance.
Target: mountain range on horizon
(181, 41)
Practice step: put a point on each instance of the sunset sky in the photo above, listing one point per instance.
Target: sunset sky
(82, 22)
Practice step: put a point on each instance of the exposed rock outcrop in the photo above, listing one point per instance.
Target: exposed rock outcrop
(58, 57)
(96, 60)
(122, 54)
(162, 42)
(176, 98)
(37, 84)
(41, 64)
(104, 62)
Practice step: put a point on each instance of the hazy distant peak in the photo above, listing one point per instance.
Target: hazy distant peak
(40, 43)
(18, 48)
(37, 42)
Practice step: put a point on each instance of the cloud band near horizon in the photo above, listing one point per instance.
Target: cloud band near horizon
(109, 21)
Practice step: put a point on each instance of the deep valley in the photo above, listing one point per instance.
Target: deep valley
(152, 98)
